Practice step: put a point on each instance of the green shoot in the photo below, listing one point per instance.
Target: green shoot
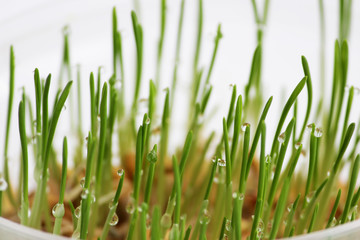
(7, 131)
(24, 194)
(58, 210)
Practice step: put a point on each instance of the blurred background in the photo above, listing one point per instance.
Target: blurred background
(35, 29)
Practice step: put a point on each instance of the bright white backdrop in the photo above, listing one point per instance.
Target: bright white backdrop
(34, 28)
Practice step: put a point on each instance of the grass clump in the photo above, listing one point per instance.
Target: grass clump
(241, 192)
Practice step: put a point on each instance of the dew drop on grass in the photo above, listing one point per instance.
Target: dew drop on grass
(76, 235)
(166, 221)
(243, 127)
(290, 207)
(281, 137)
(333, 222)
(297, 145)
(268, 159)
(82, 182)
(228, 225)
(328, 173)
(3, 184)
(77, 212)
(309, 127)
(205, 218)
(318, 132)
(260, 226)
(58, 210)
(221, 162)
(148, 221)
(130, 208)
(147, 121)
(234, 195)
(84, 193)
(114, 220)
(241, 196)
(356, 91)
(259, 234)
(120, 172)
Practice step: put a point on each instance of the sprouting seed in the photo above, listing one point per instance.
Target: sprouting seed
(318, 132)
(243, 127)
(297, 145)
(120, 172)
(82, 182)
(114, 220)
(77, 212)
(166, 220)
(221, 162)
(281, 137)
(58, 210)
(3, 184)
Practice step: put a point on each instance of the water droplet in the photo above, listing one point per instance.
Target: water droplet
(235, 195)
(216, 179)
(93, 198)
(118, 84)
(281, 137)
(76, 235)
(260, 226)
(228, 225)
(120, 172)
(82, 182)
(3, 184)
(289, 208)
(58, 210)
(221, 162)
(205, 218)
(356, 91)
(225, 237)
(114, 220)
(259, 234)
(328, 173)
(84, 193)
(152, 155)
(166, 221)
(147, 121)
(130, 208)
(309, 127)
(244, 126)
(318, 132)
(268, 159)
(333, 222)
(77, 212)
(241, 196)
(148, 221)
(297, 145)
